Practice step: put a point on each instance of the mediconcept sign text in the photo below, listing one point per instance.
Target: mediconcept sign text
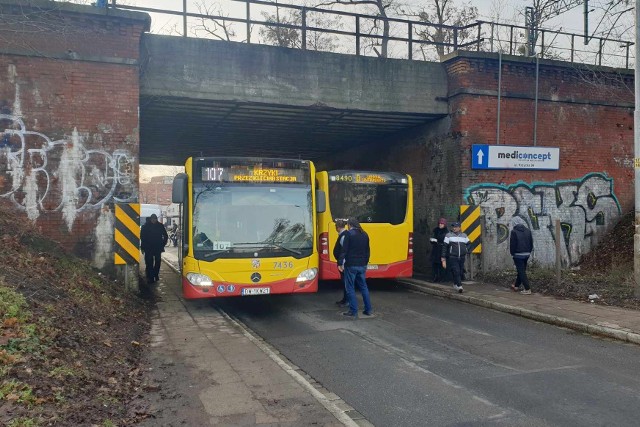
(514, 157)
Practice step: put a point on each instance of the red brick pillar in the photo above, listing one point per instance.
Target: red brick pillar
(69, 123)
(587, 112)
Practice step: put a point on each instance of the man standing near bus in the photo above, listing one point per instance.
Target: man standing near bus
(353, 261)
(153, 238)
(341, 228)
(455, 248)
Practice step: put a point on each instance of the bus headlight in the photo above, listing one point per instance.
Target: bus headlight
(308, 274)
(198, 279)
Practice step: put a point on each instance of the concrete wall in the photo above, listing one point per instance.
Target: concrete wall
(208, 69)
(69, 119)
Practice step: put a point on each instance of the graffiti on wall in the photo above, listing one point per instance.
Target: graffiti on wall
(39, 174)
(586, 208)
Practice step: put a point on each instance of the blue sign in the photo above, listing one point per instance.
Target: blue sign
(220, 289)
(485, 156)
(231, 288)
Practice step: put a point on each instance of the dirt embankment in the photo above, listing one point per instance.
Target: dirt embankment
(70, 338)
(606, 271)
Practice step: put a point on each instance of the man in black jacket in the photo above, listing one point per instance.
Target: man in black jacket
(455, 249)
(520, 246)
(153, 238)
(353, 261)
(341, 228)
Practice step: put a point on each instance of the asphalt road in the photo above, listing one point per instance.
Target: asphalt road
(429, 361)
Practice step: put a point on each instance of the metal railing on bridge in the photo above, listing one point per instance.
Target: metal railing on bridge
(339, 31)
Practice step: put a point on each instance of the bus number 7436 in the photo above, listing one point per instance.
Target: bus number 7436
(282, 265)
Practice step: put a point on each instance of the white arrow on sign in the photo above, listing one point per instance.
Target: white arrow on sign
(480, 156)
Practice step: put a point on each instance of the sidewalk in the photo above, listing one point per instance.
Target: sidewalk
(612, 322)
(234, 377)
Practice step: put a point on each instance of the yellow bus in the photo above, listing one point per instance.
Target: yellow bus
(248, 226)
(383, 203)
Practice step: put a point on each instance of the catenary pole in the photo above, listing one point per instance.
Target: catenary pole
(636, 158)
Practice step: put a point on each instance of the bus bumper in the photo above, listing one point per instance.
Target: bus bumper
(223, 289)
(396, 270)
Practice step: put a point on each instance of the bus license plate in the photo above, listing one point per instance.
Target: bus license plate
(372, 267)
(256, 291)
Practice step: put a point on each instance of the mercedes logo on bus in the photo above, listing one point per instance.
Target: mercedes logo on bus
(255, 277)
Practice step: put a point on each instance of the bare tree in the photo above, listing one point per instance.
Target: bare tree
(381, 7)
(443, 13)
(287, 27)
(217, 28)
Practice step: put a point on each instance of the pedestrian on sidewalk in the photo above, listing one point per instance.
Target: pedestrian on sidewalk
(455, 249)
(437, 240)
(520, 246)
(153, 238)
(341, 228)
(353, 261)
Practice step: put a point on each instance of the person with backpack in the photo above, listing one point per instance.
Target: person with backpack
(520, 246)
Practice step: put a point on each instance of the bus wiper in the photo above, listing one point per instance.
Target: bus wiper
(293, 251)
(214, 253)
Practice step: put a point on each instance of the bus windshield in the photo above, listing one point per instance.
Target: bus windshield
(369, 203)
(242, 220)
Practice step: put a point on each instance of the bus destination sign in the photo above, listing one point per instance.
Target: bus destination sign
(366, 178)
(252, 174)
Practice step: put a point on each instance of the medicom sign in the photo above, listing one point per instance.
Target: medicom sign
(513, 157)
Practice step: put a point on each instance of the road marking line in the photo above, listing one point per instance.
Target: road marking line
(330, 405)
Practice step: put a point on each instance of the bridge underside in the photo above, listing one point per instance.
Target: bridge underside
(173, 129)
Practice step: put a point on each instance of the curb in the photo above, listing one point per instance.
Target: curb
(344, 413)
(630, 337)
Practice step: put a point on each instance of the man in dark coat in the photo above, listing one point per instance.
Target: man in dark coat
(437, 240)
(353, 261)
(520, 246)
(153, 238)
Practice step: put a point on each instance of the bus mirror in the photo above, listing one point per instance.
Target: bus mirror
(321, 201)
(179, 188)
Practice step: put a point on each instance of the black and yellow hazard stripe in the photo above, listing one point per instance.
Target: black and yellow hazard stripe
(471, 225)
(127, 233)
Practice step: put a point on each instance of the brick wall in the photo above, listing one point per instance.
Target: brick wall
(587, 114)
(69, 119)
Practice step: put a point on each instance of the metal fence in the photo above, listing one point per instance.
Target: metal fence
(339, 31)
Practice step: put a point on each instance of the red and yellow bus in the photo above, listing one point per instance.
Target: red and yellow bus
(383, 203)
(248, 226)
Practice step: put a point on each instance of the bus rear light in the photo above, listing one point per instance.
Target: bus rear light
(410, 248)
(324, 246)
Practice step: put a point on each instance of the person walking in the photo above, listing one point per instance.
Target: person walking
(520, 246)
(153, 238)
(341, 228)
(437, 240)
(455, 249)
(353, 261)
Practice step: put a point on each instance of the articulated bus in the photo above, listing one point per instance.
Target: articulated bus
(249, 226)
(383, 204)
